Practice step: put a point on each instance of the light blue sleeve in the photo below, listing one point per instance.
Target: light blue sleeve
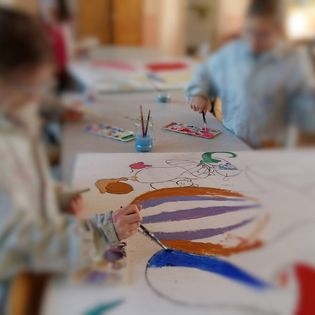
(301, 93)
(31, 243)
(202, 82)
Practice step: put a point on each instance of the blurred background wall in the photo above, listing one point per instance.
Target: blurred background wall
(174, 26)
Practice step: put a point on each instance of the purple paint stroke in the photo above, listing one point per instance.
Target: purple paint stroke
(97, 277)
(160, 201)
(194, 213)
(200, 234)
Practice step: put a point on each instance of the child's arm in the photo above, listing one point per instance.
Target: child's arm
(201, 87)
(54, 109)
(63, 244)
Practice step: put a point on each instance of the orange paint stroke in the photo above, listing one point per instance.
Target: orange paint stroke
(119, 188)
(209, 248)
(259, 229)
(185, 191)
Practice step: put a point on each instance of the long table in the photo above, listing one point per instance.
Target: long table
(122, 110)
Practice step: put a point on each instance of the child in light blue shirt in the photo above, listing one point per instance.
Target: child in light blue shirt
(265, 86)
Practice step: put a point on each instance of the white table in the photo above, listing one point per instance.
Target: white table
(122, 110)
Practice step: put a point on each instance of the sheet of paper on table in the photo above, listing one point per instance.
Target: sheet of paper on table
(109, 76)
(242, 226)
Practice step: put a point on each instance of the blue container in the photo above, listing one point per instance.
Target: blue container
(144, 144)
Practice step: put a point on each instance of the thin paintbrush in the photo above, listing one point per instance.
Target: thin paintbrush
(150, 235)
(142, 120)
(204, 120)
(147, 124)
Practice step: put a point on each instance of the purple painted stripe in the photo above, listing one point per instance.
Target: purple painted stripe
(200, 234)
(194, 213)
(160, 201)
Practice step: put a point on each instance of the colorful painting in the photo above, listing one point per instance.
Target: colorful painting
(239, 228)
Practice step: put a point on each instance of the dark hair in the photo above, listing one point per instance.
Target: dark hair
(23, 41)
(266, 8)
(63, 11)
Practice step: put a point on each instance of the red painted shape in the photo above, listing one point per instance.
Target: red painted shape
(166, 66)
(306, 278)
(139, 166)
(283, 279)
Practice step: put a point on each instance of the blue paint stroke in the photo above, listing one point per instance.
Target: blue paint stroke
(211, 264)
(159, 201)
(194, 213)
(104, 308)
(200, 234)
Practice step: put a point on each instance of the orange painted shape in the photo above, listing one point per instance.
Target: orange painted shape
(199, 248)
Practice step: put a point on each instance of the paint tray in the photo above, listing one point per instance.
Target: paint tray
(110, 132)
(192, 130)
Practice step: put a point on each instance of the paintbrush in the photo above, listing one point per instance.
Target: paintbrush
(204, 120)
(142, 120)
(150, 235)
(147, 124)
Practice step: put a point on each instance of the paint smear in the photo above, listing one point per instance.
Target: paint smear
(102, 184)
(185, 191)
(211, 264)
(194, 213)
(306, 279)
(160, 201)
(200, 234)
(208, 157)
(119, 188)
(104, 308)
(199, 248)
(97, 277)
(139, 166)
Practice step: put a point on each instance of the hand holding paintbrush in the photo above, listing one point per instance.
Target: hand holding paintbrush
(204, 121)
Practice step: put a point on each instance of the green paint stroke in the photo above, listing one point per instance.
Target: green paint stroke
(208, 156)
(104, 308)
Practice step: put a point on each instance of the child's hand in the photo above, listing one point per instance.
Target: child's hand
(199, 104)
(126, 221)
(76, 205)
(73, 113)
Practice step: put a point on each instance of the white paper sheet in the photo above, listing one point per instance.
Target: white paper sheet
(279, 190)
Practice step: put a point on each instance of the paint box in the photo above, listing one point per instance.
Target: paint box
(192, 130)
(110, 132)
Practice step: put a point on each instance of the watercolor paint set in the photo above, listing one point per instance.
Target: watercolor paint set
(110, 132)
(200, 132)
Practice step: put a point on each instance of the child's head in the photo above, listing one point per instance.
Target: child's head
(26, 61)
(55, 11)
(264, 24)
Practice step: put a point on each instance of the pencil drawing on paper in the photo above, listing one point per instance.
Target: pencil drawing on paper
(174, 173)
(219, 234)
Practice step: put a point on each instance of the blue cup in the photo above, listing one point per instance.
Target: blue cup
(144, 144)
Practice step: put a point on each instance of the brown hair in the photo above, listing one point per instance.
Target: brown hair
(272, 9)
(23, 41)
(63, 11)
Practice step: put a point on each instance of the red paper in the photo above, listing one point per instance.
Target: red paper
(166, 66)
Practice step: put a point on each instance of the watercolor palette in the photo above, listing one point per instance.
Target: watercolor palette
(192, 130)
(110, 132)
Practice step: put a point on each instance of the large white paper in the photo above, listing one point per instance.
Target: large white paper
(276, 212)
